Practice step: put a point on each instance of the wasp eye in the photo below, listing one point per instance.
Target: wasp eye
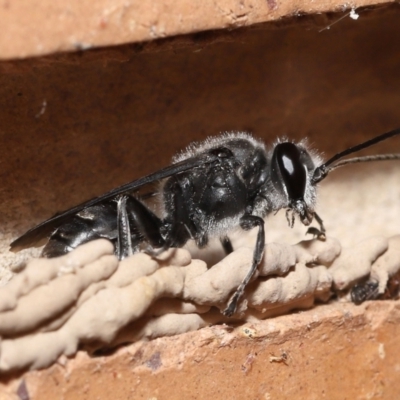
(288, 170)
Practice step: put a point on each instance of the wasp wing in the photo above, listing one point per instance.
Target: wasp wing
(35, 236)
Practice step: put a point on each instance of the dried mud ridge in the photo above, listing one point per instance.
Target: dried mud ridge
(88, 299)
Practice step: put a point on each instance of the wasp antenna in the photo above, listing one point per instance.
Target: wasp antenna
(376, 157)
(362, 146)
(322, 171)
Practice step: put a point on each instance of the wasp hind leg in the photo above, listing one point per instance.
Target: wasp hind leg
(248, 222)
(123, 246)
(137, 224)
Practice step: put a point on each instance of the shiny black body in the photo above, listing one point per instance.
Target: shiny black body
(99, 221)
(364, 291)
(369, 290)
(210, 188)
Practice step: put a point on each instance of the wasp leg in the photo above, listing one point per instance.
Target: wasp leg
(123, 247)
(227, 245)
(248, 222)
(144, 226)
(320, 233)
(320, 223)
(180, 221)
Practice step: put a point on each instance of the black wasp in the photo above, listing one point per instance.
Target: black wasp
(210, 188)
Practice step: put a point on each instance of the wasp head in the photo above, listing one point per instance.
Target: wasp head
(292, 168)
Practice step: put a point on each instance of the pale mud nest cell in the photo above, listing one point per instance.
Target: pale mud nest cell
(89, 300)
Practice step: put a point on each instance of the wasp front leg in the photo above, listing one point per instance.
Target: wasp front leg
(320, 233)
